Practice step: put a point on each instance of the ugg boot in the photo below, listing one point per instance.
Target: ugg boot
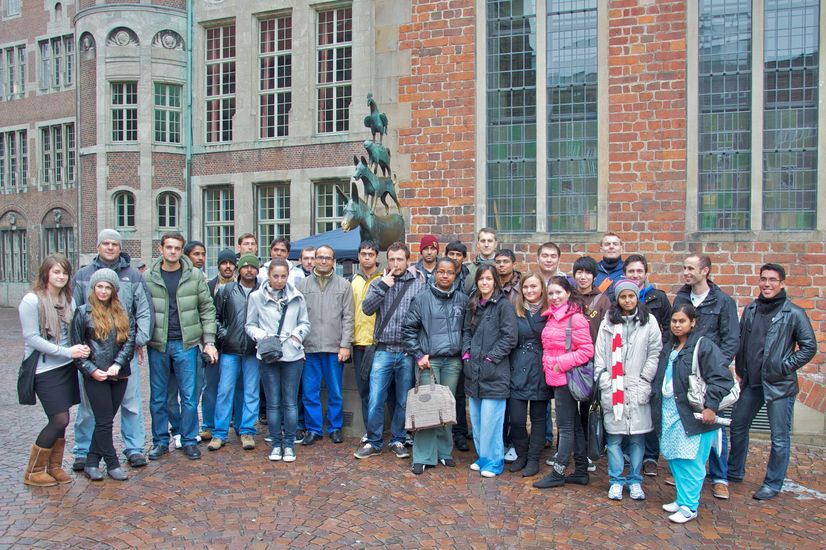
(36, 470)
(580, 476)
(55, 467)
(555, 479)
(531, 468)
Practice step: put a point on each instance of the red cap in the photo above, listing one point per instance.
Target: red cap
(429, 240)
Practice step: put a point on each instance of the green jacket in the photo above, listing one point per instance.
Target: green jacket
(195, 307)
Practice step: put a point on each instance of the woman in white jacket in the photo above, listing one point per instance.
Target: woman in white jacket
(625, 359)
(275, 299)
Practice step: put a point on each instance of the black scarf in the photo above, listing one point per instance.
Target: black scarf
(766, 309)
(610, 264)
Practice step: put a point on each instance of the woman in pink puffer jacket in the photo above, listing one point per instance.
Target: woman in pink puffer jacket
(565, 307)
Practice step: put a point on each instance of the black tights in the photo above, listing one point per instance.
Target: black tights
(54, 430)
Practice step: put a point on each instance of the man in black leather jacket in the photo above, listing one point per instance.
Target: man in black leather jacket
(776, 339)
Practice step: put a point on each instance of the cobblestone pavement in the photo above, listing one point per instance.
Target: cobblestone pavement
(235, 498)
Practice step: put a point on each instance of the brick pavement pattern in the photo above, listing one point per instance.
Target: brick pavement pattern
(234, 498)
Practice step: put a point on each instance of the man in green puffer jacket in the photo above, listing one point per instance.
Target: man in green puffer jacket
(184, 317)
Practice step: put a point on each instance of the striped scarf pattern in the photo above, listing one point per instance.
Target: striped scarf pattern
(617, 385)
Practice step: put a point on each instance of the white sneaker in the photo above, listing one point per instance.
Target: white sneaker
(289, 454)
(197, 438)
(488, 473)
(682, 515)
(591, 466)
(276, 454)
(615, 492)
(268, 439)
(364, 438)
(177, 439)
(511, 455)
(671, 507)
(636, 492)
(475, 467)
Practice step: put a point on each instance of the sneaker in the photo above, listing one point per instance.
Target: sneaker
(408, 440)
(275, 454)
(366, 451)
(475, 467)
(299, 436)
(591, 466)
(215, 443)
(177, 440)
(418, 468)
(364, 439)
(449, 462)
(636, 492)
(671, 507)
(399, 450)
(289, 454)
(268, 439)
(247, 442)
(488, 473)
(615, 492)
(79, 464)
(720, 490)
(205, 435)
(649, 468)
(551, 461)
(682, 515)
(511, 455)
(198, 439)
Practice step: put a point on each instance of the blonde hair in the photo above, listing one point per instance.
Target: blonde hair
(109, 315)
(520, 300)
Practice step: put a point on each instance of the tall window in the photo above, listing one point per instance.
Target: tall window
(125, 210)
(13, 255)
(14, 161)
(168, 205)
(335, 69)
(167, 113)
(329, 205)
(124, 111)
(790, 82)
(219, 224)
(273, 211)
(59, 239)
(56, 62)
(275, 76)
(12, 72)
(724, 76)
(57, 155)
(511, 132)
(12, 8)
(220, 83)
(572, 115)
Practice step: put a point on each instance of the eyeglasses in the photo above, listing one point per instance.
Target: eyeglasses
(772, 280)
(324, 258)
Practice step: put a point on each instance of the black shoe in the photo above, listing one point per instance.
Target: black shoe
(554, 479)
(136, 460)
(335, 436)
(461, 444)
(448, 462)
(192, 452)
(117, 474)
(79, 464)
(418, 468)
(310, 439)
(578, 478)
(518, 464)
(157, 451)
(764, 493)
(93, 473)
(531, 468)
(300, 435)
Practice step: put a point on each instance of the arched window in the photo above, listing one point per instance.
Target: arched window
(168, 206)
(125, 210)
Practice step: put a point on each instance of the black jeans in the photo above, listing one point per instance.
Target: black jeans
(530, 448)
(105, 399)
(460, 428)
(569, 427)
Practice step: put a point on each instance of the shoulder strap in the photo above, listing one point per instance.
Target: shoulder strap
(568, 334)
(605, 284)
(386, 318)
(283, 316)
(695, 358)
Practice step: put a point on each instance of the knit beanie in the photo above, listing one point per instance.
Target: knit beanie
(428, 240)
(104, 275)
(249, 259)
(109, 235)
(227, 255)
(626, 284)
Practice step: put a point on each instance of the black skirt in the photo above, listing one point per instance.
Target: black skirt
(57, 389)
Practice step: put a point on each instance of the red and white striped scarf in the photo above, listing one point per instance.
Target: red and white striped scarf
(617, 385)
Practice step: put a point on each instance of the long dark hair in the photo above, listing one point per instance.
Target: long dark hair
(640, 316)
(473, 304)
(575, 300)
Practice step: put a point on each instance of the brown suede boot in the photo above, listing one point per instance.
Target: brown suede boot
(36, 470)
(55, 467)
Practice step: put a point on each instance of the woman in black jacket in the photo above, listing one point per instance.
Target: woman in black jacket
(488, 336)
(104, 326)
(686, 441)
(528, 386)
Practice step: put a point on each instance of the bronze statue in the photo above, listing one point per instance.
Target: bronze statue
(383, 230)
(375, 188)
(376, 121)
(379, 155)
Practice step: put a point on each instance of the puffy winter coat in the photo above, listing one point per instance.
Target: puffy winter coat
(488, 336)
(104, 353)
(553, 343)
(433, 324)
(641, 346)
(264, 314)
(231, 306)
(527, 376)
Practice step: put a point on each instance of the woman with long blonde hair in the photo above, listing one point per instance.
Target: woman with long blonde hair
(105, 327)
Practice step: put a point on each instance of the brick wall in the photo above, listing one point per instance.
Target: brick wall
(87, 93)
(276, 158)
(168, 171)
(123, 170)
(89, 201)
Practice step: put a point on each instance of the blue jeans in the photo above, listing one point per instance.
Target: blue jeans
(316, 366)
(487, 417)
(132, 428)
(780, 413)
(616, 462)
(184, 363)
(173, 408)
(206, 391)
(231, 368)
(282, 380)
(388, 366)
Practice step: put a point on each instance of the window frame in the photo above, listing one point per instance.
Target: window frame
(224, 195)
(275, 97)
(14, 160)
(222, 103)
(124, 116)
(50, 165)
(125, 204)
(56, 72)
(340, 121)
(268, 228)
(14, 260)
(170, 115)
(173, 202)
(12, 72)
(330, 221)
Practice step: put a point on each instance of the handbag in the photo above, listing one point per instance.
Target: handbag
(269, 348)
(429, 406)
(580, 379)
(25, 379)
(596, 428)
(370, 351)
(697, 386)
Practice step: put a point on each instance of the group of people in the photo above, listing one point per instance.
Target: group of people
(256, 341)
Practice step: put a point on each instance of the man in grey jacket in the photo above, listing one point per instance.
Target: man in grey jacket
(330, 309)
(134, 296)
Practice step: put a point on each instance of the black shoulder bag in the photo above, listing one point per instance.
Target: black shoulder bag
(370, 351)
(270, 347)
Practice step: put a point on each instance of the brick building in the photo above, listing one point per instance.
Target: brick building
(680, 125)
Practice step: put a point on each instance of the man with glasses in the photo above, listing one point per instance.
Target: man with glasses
(776, 339)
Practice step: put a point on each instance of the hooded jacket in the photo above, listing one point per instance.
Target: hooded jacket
(264, 314)
(488, 336)
(433, 324)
